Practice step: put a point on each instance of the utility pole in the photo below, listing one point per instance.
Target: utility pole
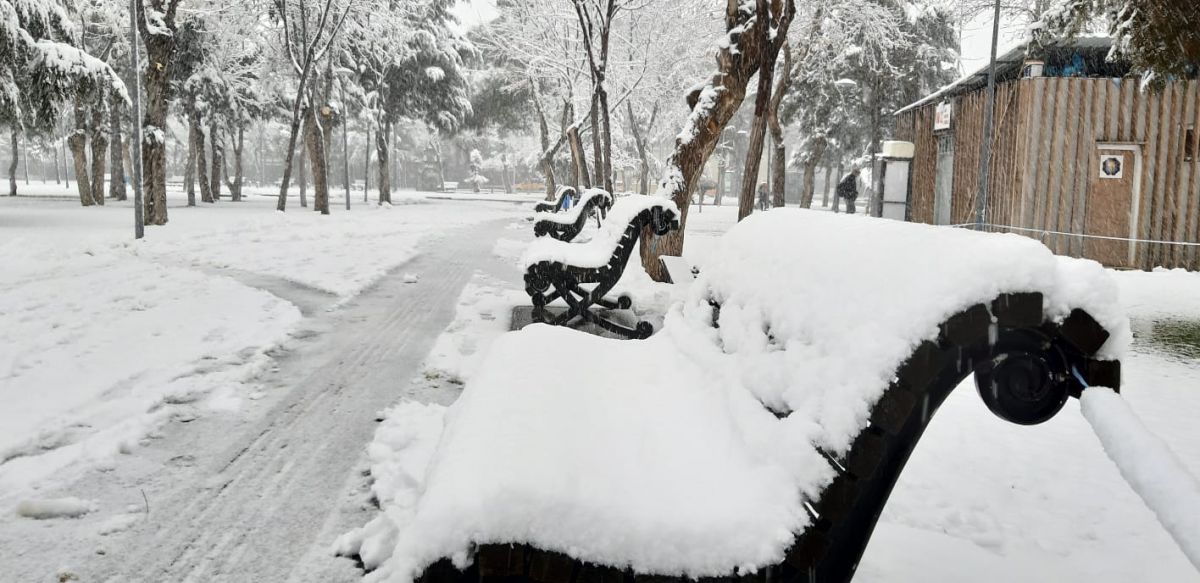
(139, 225)
(345, 142)
(985, 156)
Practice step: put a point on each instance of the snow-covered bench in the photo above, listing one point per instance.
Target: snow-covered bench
(560, 270)
(553, 207)
(758, 434)
(565, 225)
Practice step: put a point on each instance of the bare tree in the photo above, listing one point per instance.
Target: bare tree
(305, 44)
(713, 105)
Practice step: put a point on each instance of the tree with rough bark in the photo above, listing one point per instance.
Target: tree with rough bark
(740, 55)
(772, 38)
(309, 29)
(157, 27)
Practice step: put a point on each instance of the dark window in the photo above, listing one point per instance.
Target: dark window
(1189, 144)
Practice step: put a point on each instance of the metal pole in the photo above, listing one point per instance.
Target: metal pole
(988, 121)
(139, 224)
(345, 143)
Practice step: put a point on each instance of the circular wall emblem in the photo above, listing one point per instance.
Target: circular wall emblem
(1110, 166)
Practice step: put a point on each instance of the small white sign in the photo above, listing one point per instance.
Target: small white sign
(941, 116)
(1112, 166)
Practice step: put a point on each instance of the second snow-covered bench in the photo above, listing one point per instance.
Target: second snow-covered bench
(565, 225)
(582, 275)
(564, 192)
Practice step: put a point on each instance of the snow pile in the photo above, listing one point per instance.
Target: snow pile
(659, 455)
(55, 508)
(1149, 467)
(400, 454)
(484, 312)
(596, 252)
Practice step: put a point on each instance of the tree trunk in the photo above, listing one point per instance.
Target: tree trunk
(195, 145)
(736, 64)
(720, 182)
(235, 189)
(57, 170)
(758, 128)
(367, 165)
(546, 161)
(302, 177)
(597, 148)
(218, 154)
(99, 151)
(78, 144)
(778, 150)
(66, 169)
(315, 138)
(605, 120)
(202, 165)
(825, 193)
(12, 167)
(578, 159)
(639, 141)
(293, 133)
(875, 202)
(25, 148)
(160, 49)
(381, 154)
(810, 172)
(837, 200)
(116, 148)
(507, 176)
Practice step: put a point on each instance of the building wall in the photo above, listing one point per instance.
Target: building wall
(1044, 159)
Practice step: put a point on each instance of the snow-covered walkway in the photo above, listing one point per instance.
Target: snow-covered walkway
(259, 495)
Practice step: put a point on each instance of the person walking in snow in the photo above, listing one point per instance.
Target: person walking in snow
(847, 189)
(764, 201)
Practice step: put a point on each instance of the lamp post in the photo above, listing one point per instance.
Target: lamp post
(139, 226)
(988, 121)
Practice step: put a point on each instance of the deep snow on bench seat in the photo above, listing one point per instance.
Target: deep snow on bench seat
(666, 456)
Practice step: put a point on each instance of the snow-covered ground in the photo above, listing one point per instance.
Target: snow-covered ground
(103, 338)
(115, 354)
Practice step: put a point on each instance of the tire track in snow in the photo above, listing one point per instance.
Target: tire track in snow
(268, 496)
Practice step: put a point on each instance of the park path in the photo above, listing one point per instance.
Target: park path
(262, 500)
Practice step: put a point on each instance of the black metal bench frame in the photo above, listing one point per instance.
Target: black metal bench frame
(1025, 369)
(568, 231)
(567, 281)
(547, 207)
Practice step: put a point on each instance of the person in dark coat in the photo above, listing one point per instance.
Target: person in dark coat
(764, 199)
(847, 189)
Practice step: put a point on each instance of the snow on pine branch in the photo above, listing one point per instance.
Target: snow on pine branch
(72, 66)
